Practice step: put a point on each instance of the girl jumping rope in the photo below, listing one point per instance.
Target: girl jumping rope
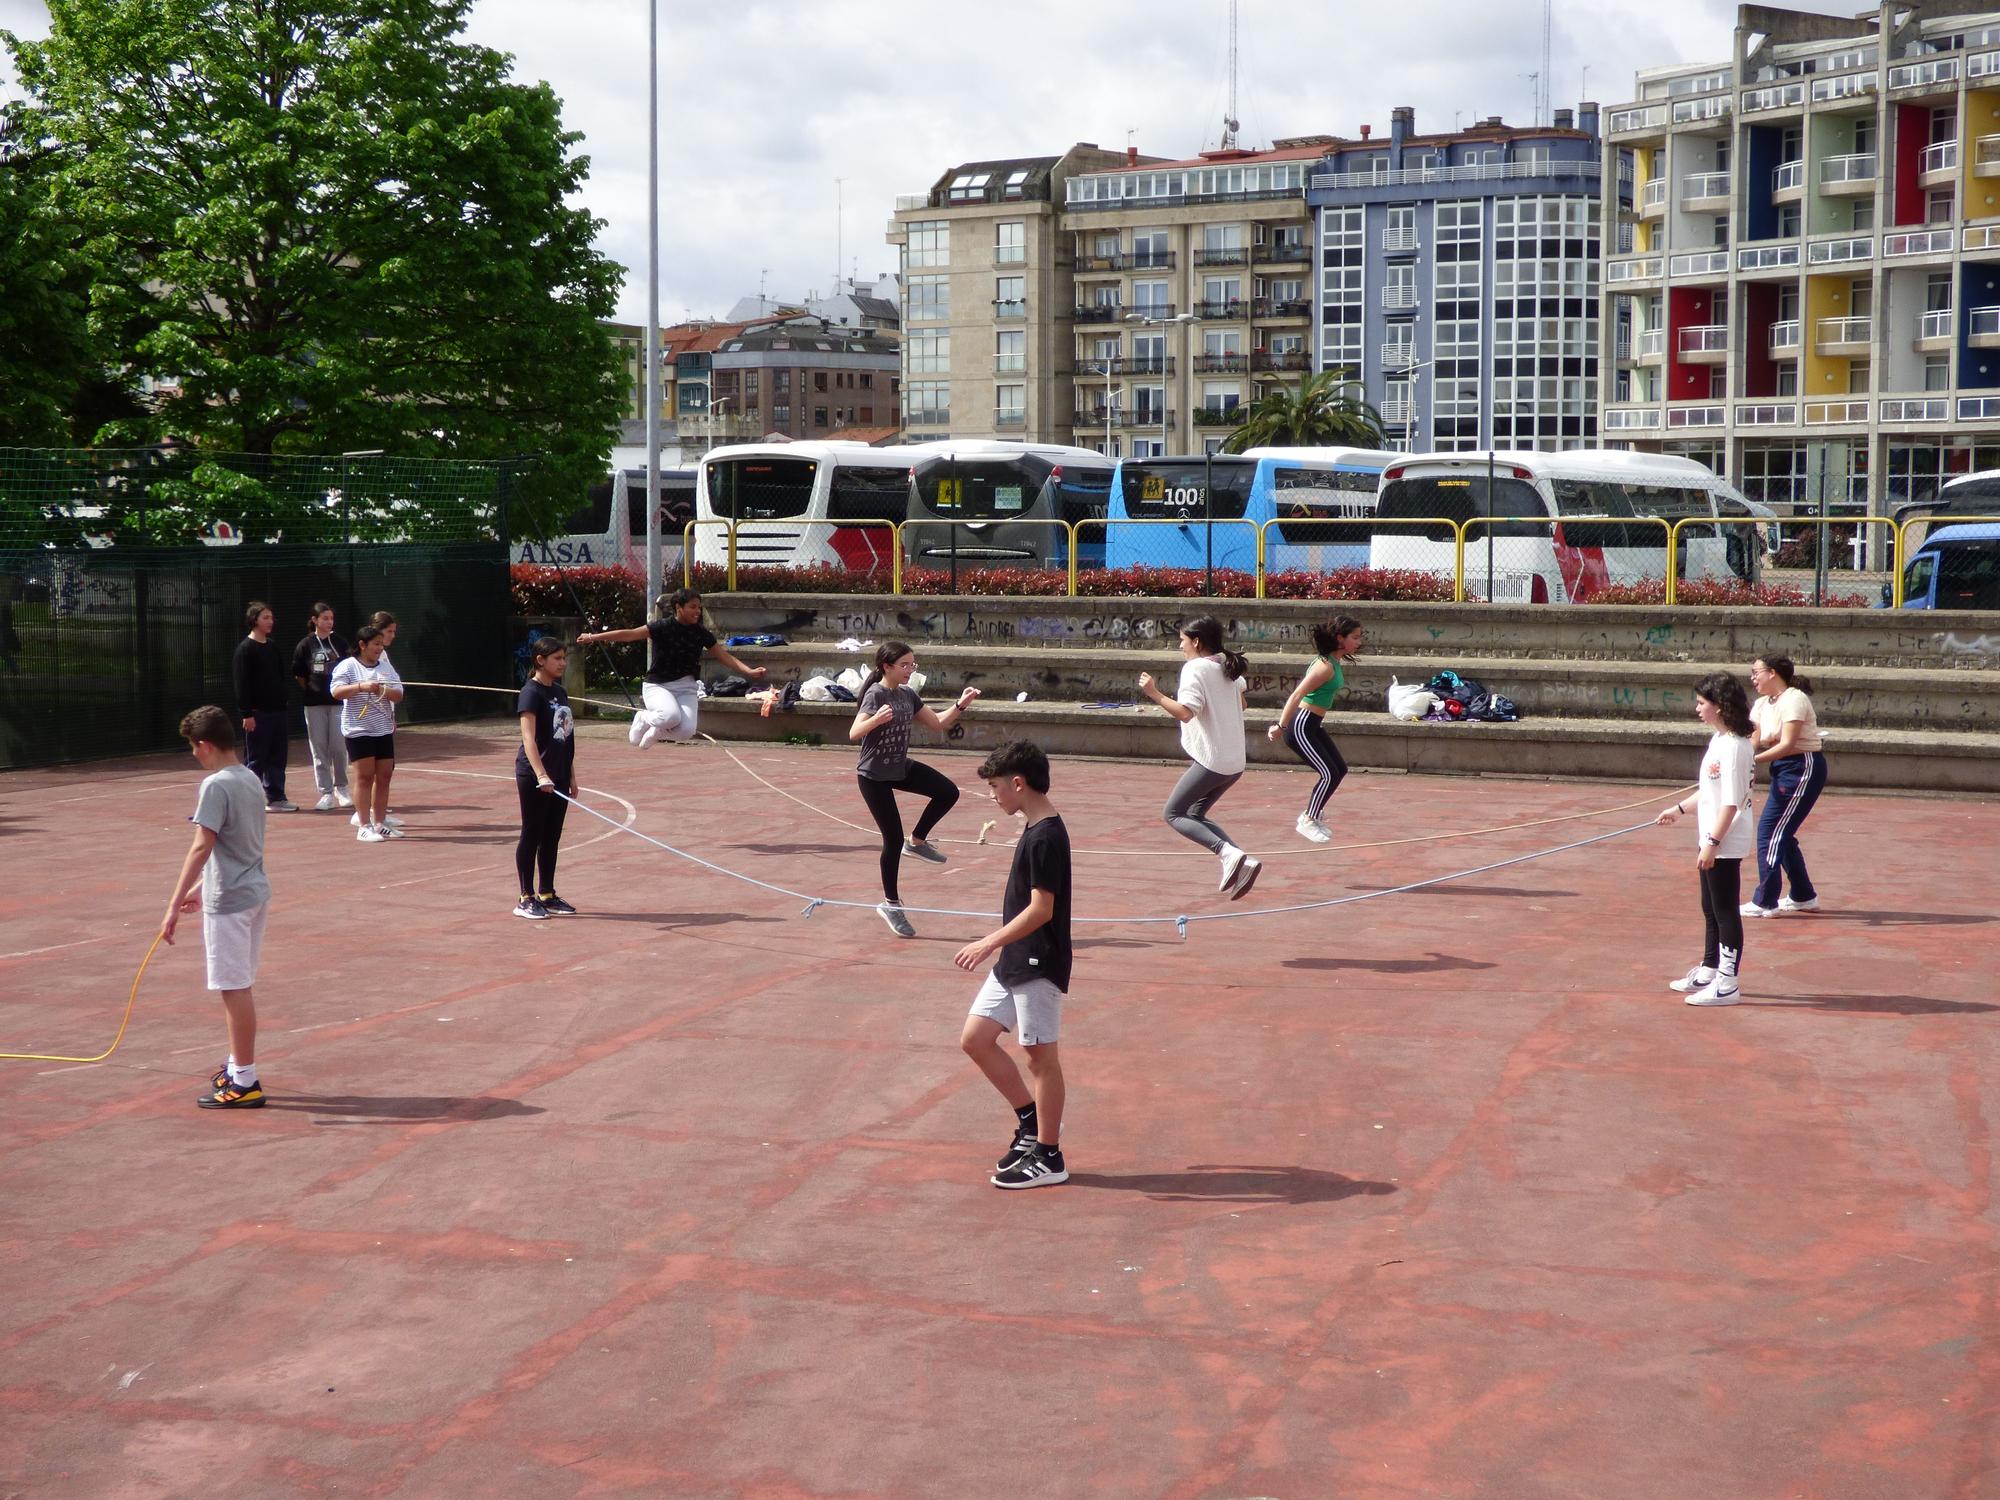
(672, 691)
(1299, 722)
(1209, 704)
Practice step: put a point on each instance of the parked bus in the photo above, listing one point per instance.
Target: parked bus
(1957, 567)
(804, 491)
(610, 528)
(1005, 497)
(1294, 487)
(1570, 561)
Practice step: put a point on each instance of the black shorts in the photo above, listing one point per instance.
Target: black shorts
(371, 746)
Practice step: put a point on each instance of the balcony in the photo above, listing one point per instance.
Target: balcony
(1777, 96)
(1767, 257)
(1978, 408)
(1986, 156)
(1221, 416)
(1705, 192)
(1272, 308)
(1629, 419)
(1221, 364)
(1622, 351)
(1010, 418)
(1982, 328)
(1228, 309)
(1399, 241)
(1701, 263)
(1395, 413)
(927, 418)
(1705, 344)
(1843, 86)
(1786, 335)
(1938, 329)
(1651, 345)
(1933, 73)
(1788, 179)
(1917, 242)
(1399, 298)
(1137, 364)
(1982, 65)
(1915, 409)
(1844, 336)
(1228, 255)
(1638, 268)
(1398, 356)
(1290, 361)
(1841, 251)
(1984, 237)
(1009, 309)
(1281, 253)
(1129, 260)
(1653, 198)
(1010, 364)
(1100, 312)
(1821, 413)
(1767, 414)
(1849, 176)
(1626, 121)
(1118, 417)
(1702, 415)
(1937, 162)
(1713, 107)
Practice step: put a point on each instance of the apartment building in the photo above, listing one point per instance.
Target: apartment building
(687, 425)
(987, 288)
(806, 378)
(1458, 279)
(1805, 292)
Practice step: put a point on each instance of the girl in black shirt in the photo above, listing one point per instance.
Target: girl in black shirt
(544, 765)
(678, 642)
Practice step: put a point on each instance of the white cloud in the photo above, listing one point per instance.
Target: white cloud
(765, 102)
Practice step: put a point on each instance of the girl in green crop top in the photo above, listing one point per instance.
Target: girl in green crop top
(1299, 722)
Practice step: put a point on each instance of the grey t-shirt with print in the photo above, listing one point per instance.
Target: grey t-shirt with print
(885, 749)
(230, 805)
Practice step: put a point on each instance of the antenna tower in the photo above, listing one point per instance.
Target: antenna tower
(1544, 93)
(1229, 121)
(839, 229)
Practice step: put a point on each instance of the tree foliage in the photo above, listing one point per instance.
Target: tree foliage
(1326, 410)
(335, 223)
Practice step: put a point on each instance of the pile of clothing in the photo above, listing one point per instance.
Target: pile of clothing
(1450, 698)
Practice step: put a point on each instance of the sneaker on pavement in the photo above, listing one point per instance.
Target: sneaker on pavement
(220, 1078)
(1041, 1167)
(924, 850)
(1245, 878)
(899, 924)
(390, 820)
(1232, 866)
(555, 906)
(531, 909)
(325, 803)
(1718, 991)
(281, 805)
(390, 830)
(1752, 909)
(370, 834)
(1699, 977)
(1020, 1146)
(341, 799)
(355, 821)
(1311, 828)
(234, 1096)
(1787, 904)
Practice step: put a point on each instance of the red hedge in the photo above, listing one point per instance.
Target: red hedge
(1710, 591)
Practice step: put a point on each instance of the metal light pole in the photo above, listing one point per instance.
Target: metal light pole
(1153, 322)
(652, 300)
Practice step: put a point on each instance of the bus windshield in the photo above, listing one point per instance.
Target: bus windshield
(761, 489)
(975, 489)
(1456, 497)
(1172, 489)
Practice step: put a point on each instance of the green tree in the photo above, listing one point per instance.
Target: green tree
(337, 223)
(1327, 410)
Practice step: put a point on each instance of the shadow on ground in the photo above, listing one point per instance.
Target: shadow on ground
(362, 1109)
(1430, 963)
(1238, 1184)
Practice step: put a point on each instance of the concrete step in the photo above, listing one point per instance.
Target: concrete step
(1447, 634)
(1865, 697)
(1899, 759)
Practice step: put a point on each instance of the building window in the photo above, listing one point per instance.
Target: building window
(929, 353)
(1010, 405)
(1938, 206)
(1010, 351)
(1788, 221)
(781, 382)
(1010, 296)
(927, 403)
(1937, 372)
(1016, 185)
(819, 416)
(969, 187)
(781, 416)
(929, 244)
(927, 299)
(1010, 242)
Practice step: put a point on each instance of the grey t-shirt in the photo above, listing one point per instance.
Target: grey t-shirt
(885, 749)
(231, 805)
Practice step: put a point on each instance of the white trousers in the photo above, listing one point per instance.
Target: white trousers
(329, 747)
(671, 712)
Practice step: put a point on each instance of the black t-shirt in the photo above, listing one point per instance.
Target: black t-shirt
(677, 650)
(1041, 862)
(555, 732)
(314, 660)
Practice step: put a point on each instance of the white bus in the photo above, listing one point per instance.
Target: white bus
(1545, 557)
(609, 530)
(791, 498)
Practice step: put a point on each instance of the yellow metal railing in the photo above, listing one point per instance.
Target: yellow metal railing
(733, 529)
(687, 552)
(1105, 523)
(1552, 525)
(1904, 555)
(906, 549)
(1372, 527)
(1895, 565)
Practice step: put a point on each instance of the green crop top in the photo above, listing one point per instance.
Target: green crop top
(1321, 697)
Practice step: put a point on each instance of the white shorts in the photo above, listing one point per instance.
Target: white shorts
(1032, 1009)
(235, 941)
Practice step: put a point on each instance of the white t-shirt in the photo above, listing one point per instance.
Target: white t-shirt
(1725, 782)
(1214, 736)
(1770, 715)
(364, 713)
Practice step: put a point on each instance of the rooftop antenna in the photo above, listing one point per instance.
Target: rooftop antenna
(1535, 93)
(1229, 121)
(761, 274)
(839, 229)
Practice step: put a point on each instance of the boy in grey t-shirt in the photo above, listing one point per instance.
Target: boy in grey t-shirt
(227, 858)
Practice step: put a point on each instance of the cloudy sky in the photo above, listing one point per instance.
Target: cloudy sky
(765, 103)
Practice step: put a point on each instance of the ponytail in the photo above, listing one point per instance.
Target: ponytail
(1206, 632)
(1326, 634)
(1787, 673)
(886, 655)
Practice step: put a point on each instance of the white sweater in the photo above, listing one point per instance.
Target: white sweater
(1214, 736)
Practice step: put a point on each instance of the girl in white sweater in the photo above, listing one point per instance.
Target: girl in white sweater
(1209, 704)
(1722, 811)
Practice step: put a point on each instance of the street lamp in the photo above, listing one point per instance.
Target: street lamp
(1148, 320)
(715, 403)
(1107, 370)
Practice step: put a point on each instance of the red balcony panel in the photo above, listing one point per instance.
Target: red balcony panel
(1906, 192)
(1760, 311)
(1687, 307)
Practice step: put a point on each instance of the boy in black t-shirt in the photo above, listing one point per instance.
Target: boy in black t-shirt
(1024, 993)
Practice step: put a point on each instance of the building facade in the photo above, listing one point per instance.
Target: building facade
(1458, 279)
(805, 378)
(1805, 294)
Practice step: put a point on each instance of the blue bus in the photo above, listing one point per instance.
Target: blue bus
(1294, 487)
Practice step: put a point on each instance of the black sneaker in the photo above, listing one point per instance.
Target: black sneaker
(1020, 1146)
(555, 906)
(234, 1096)
(1040, 1167)
(532, 909)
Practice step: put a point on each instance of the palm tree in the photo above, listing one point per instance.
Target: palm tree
(1327, 410)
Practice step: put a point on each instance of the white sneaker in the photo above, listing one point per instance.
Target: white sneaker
(1787, 905)
(1232, 866)
(325, 803)
(1718, 991)
(342, 799)
(1752, 909)
(391, 831)
(1246, 878)
(390, 820)
(1311, 828)
(1697, 978)
(370, 834)
(355, 821)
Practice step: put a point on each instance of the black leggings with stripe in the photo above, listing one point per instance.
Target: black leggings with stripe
(1310, 742)
(542, 817)
(881, 799)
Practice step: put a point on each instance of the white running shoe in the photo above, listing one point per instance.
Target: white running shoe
(1752, 909)
(355, 821)
(391, 831)
(341, 799)
(325, 803)
(1718, 991)
(1232, 867)
(370, 834)
(1786, 905)
(1697, 978)
(1252, 868)
(1311, 828)
(899, 924)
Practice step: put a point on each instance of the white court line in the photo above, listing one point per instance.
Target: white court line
(164, 783)
(631, 818)
(59, 947)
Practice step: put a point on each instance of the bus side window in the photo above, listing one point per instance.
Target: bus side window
(1917, 582)
(594, 519)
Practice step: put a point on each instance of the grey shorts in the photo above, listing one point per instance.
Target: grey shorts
(1032, 1009)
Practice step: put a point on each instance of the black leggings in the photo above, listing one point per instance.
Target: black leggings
(1721, 895)
(881, 799)
(542, 816)
(1307, 736)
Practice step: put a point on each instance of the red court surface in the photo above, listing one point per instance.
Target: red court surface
(1439, 1195)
